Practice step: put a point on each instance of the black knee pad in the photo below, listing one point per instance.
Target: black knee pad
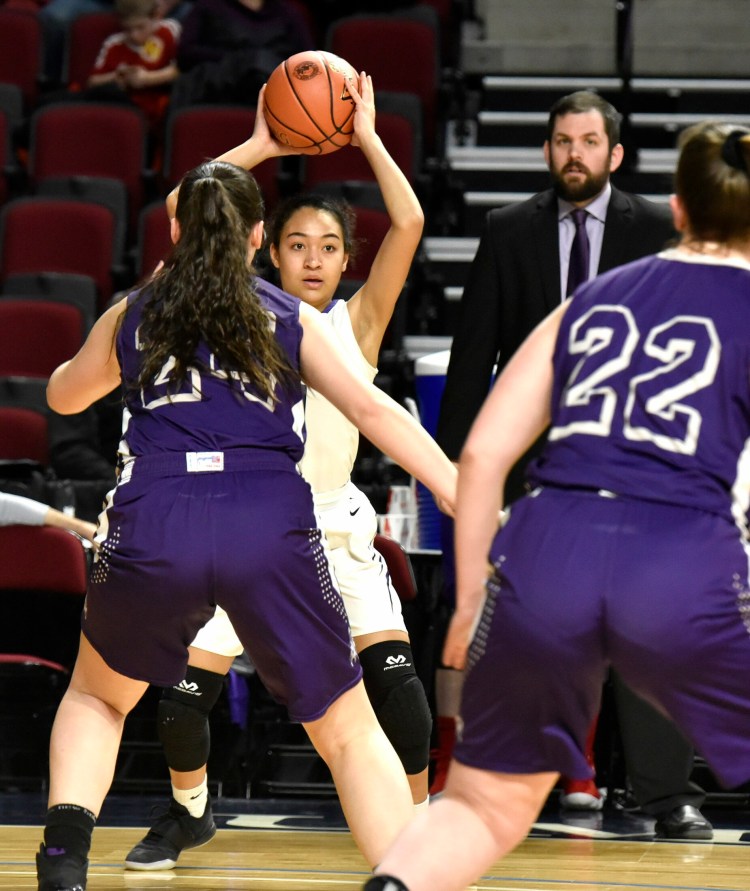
(398, 699)
(183, 718)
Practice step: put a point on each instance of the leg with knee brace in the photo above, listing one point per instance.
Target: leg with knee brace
(398, 699)
(183, 718)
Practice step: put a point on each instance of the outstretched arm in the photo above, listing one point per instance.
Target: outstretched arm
(372, 306)
(327, 369)
(515, 414)
(19, 510)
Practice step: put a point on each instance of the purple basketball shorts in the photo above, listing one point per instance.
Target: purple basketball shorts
(586, 580)
(178, 543)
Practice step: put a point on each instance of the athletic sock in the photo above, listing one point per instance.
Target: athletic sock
(195, 800)
(67, 831)
(422, 805)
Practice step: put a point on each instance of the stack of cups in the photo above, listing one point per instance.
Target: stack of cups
(400, 520)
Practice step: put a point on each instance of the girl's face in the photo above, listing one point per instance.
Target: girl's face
(310, 256)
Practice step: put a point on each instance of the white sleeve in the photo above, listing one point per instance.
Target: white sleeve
(17, 509)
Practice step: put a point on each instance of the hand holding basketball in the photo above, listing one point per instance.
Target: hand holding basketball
(308, 104)
(364, 115)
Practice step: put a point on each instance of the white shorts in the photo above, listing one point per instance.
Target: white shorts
(349, 523)
(217, 636)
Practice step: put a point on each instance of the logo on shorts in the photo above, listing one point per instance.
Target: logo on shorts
(192, 688)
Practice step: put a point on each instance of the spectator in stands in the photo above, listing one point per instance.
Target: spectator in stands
(229, 48)
(17, 510)
(521, 273)
(57, 16)
(140, 61)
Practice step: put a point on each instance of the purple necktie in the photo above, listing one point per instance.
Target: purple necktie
(578, 267)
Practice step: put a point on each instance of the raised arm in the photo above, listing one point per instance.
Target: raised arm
(326, 368)
(372, 306)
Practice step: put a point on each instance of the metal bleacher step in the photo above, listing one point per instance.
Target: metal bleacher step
(714, 95)
(656, 129)
(451, 255)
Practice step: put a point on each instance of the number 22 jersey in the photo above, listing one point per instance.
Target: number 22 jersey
(651, 397)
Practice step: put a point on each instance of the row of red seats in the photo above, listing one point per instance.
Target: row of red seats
(402, 52)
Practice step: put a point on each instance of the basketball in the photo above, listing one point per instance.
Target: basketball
(307, 102)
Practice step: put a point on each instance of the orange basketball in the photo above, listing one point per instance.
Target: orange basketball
(307, 102)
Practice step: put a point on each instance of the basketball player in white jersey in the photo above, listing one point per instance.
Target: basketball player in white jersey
(311, 242)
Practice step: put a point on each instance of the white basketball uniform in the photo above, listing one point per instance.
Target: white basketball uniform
(345, 515)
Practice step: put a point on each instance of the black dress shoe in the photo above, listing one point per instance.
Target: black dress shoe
(683, 822)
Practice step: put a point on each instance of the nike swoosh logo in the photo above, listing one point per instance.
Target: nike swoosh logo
(352, 512)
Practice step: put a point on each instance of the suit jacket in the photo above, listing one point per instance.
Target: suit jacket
(514, 282)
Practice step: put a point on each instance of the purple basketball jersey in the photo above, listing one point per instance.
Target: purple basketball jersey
(651, 395)
(207, 414)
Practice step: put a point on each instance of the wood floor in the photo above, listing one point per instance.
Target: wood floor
(588, 853)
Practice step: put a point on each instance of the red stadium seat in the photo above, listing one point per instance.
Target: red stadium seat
(23, 435)
(65, 287)
(23, 419)
(348, 168)
(43, 577)
(85, 38)
(372, 226)
(199, 132)
(399, 567)
(20, 52)
(154, 241)
(90, 139)
(57, 235)
(401, 54)
(37, 335)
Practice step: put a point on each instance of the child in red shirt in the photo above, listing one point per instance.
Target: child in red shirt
(140, 59)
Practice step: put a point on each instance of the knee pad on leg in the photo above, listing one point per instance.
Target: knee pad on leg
(399, 702)
(183, 718)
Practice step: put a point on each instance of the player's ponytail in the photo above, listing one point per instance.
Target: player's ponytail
(736, 150)
(205, 290)
(713, 181)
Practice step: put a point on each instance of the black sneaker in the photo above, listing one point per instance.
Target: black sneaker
(60, 873)
(171, 834)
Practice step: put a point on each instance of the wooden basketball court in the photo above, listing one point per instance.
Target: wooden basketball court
(275, 852)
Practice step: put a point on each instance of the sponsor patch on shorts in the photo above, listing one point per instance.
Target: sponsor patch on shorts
(201, 462)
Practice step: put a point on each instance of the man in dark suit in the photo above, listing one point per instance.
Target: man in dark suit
(530, 257)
